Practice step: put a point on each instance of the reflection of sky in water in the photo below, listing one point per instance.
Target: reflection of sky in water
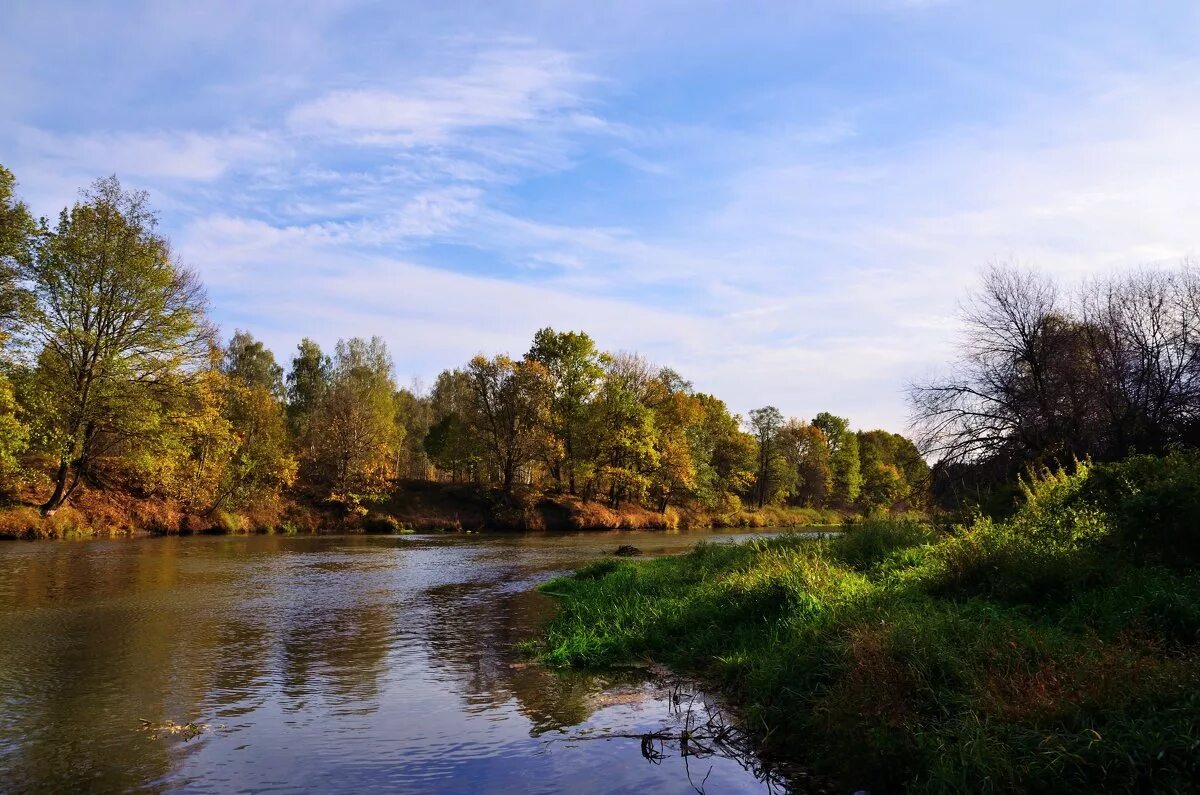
(337, 664)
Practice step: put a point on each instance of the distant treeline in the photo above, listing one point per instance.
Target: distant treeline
(114, 378)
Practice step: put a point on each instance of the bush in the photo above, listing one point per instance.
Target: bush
(1155, 505)
(1046, 550)
(381, 523)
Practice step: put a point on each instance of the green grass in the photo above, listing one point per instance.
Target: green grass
(1037, 653)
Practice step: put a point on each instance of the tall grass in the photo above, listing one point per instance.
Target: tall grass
(1051, 650)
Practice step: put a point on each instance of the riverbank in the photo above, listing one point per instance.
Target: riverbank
(1059, 649)
(414, 506)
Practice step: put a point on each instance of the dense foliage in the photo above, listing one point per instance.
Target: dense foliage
(114, 379)
(1056, 650)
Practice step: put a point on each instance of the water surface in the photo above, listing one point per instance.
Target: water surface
(328, 663)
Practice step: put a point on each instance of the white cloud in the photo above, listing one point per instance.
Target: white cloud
(808, 258)
(501, 89)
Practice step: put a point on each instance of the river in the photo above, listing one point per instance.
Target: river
(322, 663)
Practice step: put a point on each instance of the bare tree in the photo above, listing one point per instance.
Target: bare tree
(983, 409)
(1117, 371)
(1146, 347)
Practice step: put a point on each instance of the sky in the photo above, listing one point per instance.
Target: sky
(785, 202)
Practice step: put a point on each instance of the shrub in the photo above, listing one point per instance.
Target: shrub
(381, 523)
(1154, 503)
(1045, 550)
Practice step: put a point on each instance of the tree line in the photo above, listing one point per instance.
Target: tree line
(114, 377)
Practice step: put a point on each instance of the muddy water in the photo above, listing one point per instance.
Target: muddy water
(336, 664)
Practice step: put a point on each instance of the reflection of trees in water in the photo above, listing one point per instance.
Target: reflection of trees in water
(472, 633)
(90, 652)
(338, 654)
(99, 640)
(237, 685)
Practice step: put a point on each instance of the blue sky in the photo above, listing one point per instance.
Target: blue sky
(783, 201)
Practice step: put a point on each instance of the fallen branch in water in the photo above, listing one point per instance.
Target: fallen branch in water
(705, 733)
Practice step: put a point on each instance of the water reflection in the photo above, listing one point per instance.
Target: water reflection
(332, 664)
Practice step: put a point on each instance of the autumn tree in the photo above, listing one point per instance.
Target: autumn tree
(119, 323)
(510, 399)
(187, 444)
(14, 438)
(261, 462)
(677, 414)
(354, 428)
(805, 450)
(16, 240)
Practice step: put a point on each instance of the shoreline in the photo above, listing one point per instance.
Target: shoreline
(413, 507)
(1054, 650)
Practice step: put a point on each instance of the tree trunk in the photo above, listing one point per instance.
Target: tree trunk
(60, 487)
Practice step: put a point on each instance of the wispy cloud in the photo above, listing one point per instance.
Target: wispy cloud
(787, 208)
(501, 89)
(160, 154)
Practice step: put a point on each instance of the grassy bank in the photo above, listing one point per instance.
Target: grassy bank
(1055, 650)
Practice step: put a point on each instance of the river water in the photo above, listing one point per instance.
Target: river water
(326, 663)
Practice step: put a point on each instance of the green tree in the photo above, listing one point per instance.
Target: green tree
(843, 457)
(17, 235)
(354, 428)
(453, 442)
(724, 455)
(119, 323)
(624, 431)
(414, 413)
(765, 424)
(510, 400)
(307, 382)
(250, 363)
(575, 368)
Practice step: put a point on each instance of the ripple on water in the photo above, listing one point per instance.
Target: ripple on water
(320, 663)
